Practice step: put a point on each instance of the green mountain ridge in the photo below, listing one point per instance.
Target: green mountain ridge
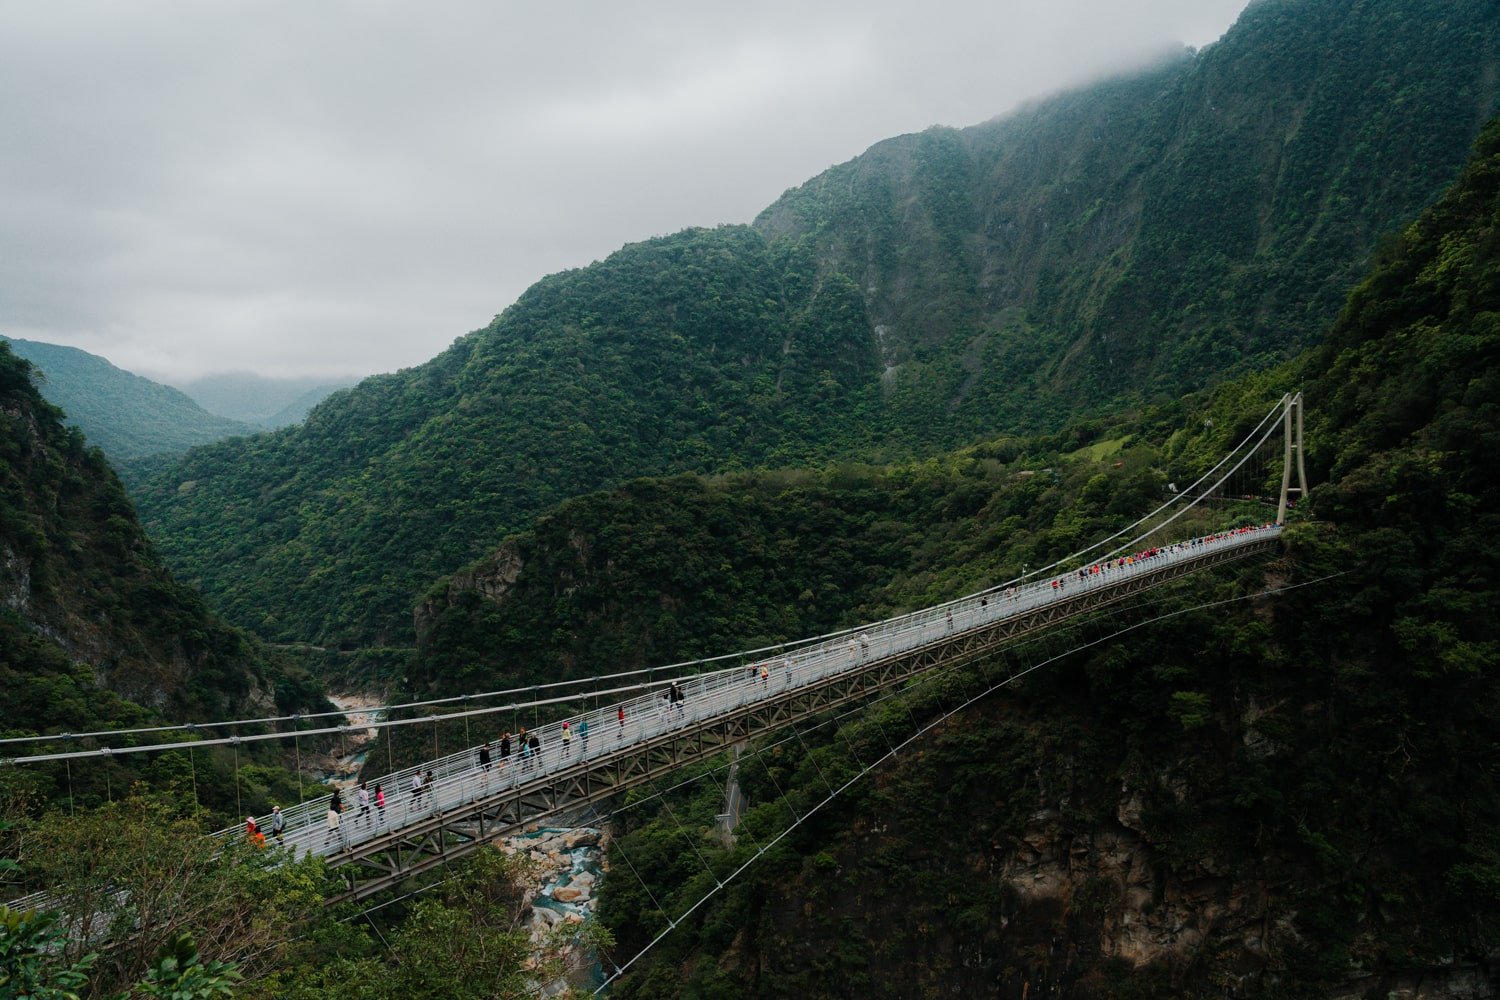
(1155, 233)
(94, 633)
(1275, 796)
(879, 311)
(126, 415)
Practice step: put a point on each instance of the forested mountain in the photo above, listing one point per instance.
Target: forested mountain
(1290, 795)
(685, 352)
(1249, 794)
(1152, 234)
(94, 633)
(1096, 248)
(126, 415)
(1275, 796)
(266, 402)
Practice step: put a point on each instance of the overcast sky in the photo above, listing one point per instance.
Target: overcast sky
(332, 188)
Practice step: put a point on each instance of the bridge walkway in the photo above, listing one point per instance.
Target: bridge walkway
(634, 742)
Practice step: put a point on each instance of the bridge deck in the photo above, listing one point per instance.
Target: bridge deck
(467, 806)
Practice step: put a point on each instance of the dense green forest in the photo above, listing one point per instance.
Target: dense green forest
(125, 415)
(94, 633)
(1282, 781)
(1152, 234)
(1271, 798)
(669, 355)
(666, 569)
(1099, 248)
(1263, 795)
(1268, 797)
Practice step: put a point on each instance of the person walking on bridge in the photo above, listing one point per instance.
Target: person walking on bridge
(363, 796)
(504, 749)
(484, 756)
(567, 739)
(583, 735)
(620, 714)
(379, 804)
(278, 825)
(335, 812)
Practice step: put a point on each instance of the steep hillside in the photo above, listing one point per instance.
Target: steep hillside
(1285, 796)
(683, 353)
(126, 415)
(1153, 234)
(1291, 796)
(1204, 216)
(93, 631)
(666, 569)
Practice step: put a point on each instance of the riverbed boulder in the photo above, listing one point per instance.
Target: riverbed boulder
(582, 837)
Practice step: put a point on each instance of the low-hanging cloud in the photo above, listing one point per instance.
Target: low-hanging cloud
(343, 188)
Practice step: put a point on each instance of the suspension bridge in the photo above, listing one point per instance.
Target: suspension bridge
(591, 757)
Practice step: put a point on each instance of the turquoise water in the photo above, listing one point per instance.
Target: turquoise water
(582, 861)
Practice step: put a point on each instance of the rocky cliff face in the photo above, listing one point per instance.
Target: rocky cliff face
(489, 579)
(1054, 882)
(86, 608)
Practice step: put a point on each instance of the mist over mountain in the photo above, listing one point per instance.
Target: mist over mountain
(261, 400)
(126, 415)
(1095, 249)
(1155, 233)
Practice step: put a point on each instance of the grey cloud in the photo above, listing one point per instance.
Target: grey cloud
(338, 188)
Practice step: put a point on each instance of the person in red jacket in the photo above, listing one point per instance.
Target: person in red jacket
(257, 839)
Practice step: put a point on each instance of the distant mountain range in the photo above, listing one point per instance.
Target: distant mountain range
(93, 630)
(126, 415)
(256, 399)
(130, 416)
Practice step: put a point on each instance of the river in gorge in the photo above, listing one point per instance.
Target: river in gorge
(567, 863)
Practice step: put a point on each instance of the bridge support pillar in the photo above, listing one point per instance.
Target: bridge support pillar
(1291, 434)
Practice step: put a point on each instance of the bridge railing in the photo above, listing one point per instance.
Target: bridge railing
(458, 777)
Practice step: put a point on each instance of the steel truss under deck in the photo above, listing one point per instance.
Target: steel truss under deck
(379, 863)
